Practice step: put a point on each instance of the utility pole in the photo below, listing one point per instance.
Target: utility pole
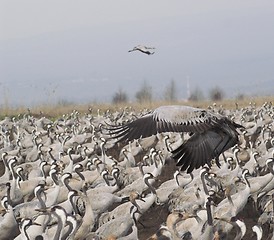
(187, 87)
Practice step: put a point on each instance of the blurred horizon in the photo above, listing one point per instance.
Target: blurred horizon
(78, 52)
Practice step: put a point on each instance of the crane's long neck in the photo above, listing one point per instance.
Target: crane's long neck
(204, 183)
(60, 226)
(39, 197)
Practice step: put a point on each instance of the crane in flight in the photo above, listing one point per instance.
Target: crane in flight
(143, 49)
(210, 133)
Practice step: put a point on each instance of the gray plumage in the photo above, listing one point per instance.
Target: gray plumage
(143, 49)
(211, 133)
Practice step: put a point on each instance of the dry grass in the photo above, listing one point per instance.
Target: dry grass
(54, 111)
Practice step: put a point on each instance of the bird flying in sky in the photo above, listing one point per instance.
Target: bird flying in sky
(143, 49)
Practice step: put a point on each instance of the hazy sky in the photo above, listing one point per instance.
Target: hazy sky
(56, 50)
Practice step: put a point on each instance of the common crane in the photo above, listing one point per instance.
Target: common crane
(211, 133)
(143, 49)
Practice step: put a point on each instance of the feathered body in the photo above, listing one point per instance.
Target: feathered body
(143, 49)
(211, 133)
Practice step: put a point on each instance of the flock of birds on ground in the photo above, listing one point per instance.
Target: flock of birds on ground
(69, 178)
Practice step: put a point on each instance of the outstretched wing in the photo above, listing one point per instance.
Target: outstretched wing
(200, 149)
(213, 133)
(143, 49)
(165, 119)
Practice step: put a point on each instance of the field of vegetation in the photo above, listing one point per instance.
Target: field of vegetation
(57, 110)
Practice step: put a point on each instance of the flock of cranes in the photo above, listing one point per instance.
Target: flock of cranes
(69, 178)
